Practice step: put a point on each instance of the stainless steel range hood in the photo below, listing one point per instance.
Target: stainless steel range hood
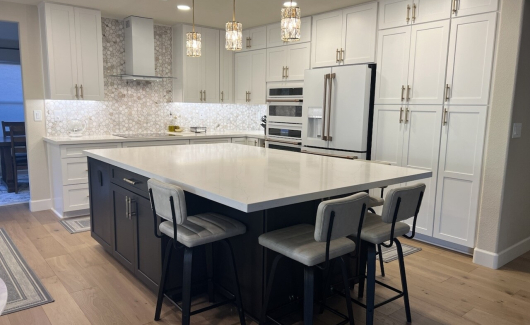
(139, 50)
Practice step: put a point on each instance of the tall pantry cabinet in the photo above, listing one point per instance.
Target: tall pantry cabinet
(433, 85)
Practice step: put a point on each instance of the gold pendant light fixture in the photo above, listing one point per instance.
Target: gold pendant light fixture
(193, 40)
(290, 23)
(234, 33)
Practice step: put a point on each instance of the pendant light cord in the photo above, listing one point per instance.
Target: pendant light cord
(234, 12)
(193, 14)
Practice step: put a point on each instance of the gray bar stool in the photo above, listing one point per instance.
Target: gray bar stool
(168, 202)
(316, 246)
(400, 204)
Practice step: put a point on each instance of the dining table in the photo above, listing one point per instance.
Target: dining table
(8, 176)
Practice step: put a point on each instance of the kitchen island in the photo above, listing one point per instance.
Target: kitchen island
(265, 189)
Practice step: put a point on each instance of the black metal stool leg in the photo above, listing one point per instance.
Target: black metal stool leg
(326, 284)
(347, 290)
(381, 263)
(236, 280)
(186, 286)
(370, 284)
(209, 271)
(362, 269)
(161, 287)
(403, 279)
(263, 316)
(309, 290)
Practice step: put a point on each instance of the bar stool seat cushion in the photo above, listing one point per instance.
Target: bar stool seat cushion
(376, 231)
(298, 243)
(203, 229)
(374, 202)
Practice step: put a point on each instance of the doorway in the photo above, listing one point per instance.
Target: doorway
(14, 181)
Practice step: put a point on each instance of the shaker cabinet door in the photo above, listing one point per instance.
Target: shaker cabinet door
(101, 206)
(226, 71)
(326, 39)
(472, 7)
(276, 63)
(258, 90)
(149, 259)
(243, 76)
(392, 65)
(297, 61)
(470, 61)
(193, 73)
(428, 62)
(124, 228)
(210, 65)
(459, 172)
(424, 11)
(387, 139)
(421, 148)
(359, 31)
(395, 13)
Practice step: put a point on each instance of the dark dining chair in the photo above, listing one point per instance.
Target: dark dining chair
(17, 134)
(7, 125)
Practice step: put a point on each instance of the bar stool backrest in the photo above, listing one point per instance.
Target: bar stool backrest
(347, 213)
(167, 197)
(406, 200)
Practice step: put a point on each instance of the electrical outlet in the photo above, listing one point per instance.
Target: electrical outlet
(517, 129)
(37, 115)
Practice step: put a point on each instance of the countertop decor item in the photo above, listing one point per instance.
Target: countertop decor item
(234, 33)
(77, 127)
(198, 129)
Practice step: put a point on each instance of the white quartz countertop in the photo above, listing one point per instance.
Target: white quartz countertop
(175, 136)
(250, 178)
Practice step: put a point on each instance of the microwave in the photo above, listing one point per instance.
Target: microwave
(285, 90)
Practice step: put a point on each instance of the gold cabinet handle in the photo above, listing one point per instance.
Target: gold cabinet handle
(400, 115)
(402, 93)
(406, 115)
(201, 94)
(249, 41)
(204, 92)
(408, 13)
(331, 77)
(447, 90)
(130, 181)
(249, 97)
(324, 106)
(444, 117)
(286, 72)
(76, 91)
(283, 72)
(454, 7)
(408, 93)
(222, 96)
(82, 93)
(413, 12)
(337, 60)
(342, 55)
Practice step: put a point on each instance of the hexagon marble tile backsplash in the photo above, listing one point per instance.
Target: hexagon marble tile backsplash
(139, 106)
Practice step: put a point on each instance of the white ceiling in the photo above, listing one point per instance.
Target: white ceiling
(214, 13)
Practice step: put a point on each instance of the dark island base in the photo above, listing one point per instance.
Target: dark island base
(128, 235)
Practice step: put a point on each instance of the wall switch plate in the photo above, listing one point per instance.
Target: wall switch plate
(37, 115)
(517, 129)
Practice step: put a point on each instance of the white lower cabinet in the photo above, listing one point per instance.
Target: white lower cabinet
(206, 141)
(76, 197)
(155, 143)
(462, 145)
(239, 140)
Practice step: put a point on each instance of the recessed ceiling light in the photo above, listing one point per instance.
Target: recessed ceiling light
(289, 3)
(183, 7)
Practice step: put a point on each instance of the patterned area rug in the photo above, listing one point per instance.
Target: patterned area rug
(14, 198)
(76, 225)
(24, 289)
(390, 254)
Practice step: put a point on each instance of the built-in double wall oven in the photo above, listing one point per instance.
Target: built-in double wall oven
(284, 116)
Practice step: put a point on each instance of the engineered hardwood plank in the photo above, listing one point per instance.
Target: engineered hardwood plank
(4, 320)
(62, 235)
(46, 216)
(88, 256)
(98, 308)
(72, 276)
(64, 311)
(32, 316)
(49, 247)
(484, 318)
(23, 215)
(35, 232)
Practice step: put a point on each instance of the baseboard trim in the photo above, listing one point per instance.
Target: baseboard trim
(73, 214)
(40, 205)
(444, 244)
(497, 260)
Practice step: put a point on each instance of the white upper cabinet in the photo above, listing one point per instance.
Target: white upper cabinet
(72, 51)
(255, 38)
(396, 13)
(197, 77)
(250, 74)
(459, 172)
(428, 62)
(472, 7)
(392, 66)
(326, 39)
(359, 29)
(344, 36)
(288, 63)
(274, 33)
(470, 61)
(226, 71)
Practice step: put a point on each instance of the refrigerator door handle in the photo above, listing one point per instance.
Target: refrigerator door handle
(331, 78)
(326, 77)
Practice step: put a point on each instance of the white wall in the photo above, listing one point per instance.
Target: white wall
(32, 79)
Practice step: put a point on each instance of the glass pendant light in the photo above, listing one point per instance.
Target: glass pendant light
(291, 23)
(234, 33)
(193, 40)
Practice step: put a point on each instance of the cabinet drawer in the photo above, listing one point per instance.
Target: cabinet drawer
(155, 143)
(75, 197)
(74, 170)
(75, 151)
(205, 141)
(130, 181)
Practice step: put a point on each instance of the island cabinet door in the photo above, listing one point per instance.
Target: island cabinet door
(124, 239)
(100, 203)
(148, 266)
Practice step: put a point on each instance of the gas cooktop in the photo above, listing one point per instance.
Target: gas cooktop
(143, 135)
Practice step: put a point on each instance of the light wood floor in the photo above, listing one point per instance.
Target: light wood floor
(89, 287)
